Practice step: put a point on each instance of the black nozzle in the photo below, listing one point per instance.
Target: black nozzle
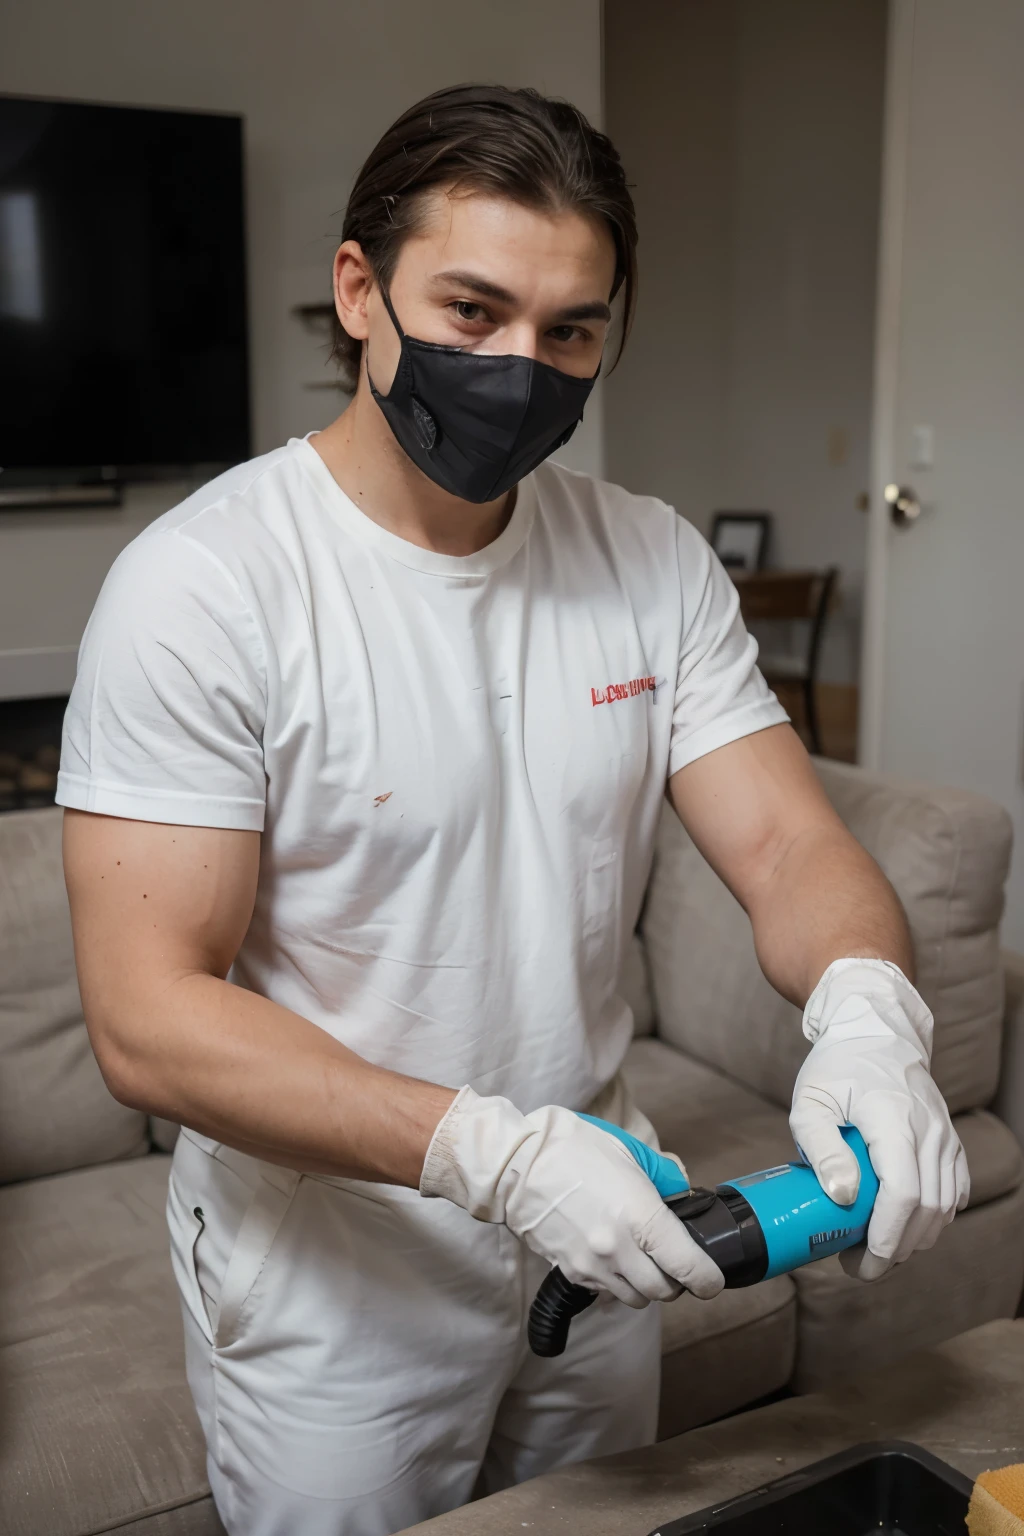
(722, 1223)
(719, 1220)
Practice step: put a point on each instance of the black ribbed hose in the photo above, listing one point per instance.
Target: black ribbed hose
(555, 1305)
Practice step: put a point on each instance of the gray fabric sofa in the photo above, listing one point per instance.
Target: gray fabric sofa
(97, 1430)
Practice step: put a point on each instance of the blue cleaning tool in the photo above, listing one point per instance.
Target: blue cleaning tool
(754, 1227)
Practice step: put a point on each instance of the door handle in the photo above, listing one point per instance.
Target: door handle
(904, 507)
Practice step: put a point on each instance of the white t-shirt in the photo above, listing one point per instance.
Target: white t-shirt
(457, 763)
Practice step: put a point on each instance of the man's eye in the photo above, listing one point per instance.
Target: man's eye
(466, 310)
(567, 333)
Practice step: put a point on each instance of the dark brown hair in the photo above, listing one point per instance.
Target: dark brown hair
(534, 149)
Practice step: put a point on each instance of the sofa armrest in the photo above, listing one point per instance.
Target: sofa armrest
(1009, 1100)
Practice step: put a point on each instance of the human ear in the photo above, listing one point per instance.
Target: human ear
(353, 282)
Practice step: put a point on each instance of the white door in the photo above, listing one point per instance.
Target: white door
(943, 674)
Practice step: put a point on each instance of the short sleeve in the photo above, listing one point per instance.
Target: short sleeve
(720, 694)
(165, 720)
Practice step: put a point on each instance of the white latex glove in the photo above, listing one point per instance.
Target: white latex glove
(872, 1041)
(571, 1192)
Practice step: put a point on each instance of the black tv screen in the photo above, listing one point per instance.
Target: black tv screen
(122, 291)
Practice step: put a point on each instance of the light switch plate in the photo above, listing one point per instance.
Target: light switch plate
(922, 447)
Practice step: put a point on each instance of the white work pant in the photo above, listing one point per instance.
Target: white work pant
(358, 1354)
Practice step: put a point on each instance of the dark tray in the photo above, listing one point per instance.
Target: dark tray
(887, 1488)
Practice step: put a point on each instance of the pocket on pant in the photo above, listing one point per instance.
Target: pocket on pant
(224, 1210)
(256, 1235)
(187, 1223)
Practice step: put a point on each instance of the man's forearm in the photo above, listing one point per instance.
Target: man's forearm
(247, 1072)
(159, 912)
(825, 899)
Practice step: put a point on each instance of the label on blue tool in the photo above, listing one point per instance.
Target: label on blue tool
(822, 1244)
(759, 1178)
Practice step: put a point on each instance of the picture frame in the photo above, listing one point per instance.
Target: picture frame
(740, 540)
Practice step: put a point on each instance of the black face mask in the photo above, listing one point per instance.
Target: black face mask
(474, 423)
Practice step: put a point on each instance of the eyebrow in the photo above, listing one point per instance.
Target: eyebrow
(594, 310)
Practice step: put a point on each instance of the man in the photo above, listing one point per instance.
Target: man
(363, 767)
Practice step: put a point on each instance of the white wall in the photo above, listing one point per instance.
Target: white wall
(752, 129)
(668, 107)
(318, 81)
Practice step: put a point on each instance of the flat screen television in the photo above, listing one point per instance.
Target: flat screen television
(123, 346)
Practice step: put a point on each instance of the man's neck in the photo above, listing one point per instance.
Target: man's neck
(373, 471)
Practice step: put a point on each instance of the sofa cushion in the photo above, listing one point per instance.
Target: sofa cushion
(974, 1273)
(55, 1111)
(945, 851)
(100, 1431)
(721, 1130)
(721, 1355)
(994, 1156)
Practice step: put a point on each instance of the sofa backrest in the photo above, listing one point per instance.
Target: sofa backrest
(55, 1111)
(947, 854)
